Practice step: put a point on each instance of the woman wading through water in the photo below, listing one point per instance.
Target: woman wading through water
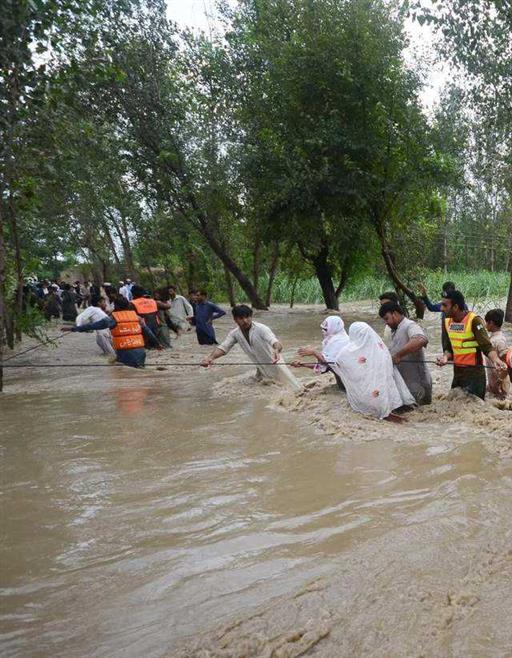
(363, 363)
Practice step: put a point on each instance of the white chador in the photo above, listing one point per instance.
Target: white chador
(260, 349)
(374, 386)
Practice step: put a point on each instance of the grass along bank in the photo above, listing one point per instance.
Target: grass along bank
(485, 287)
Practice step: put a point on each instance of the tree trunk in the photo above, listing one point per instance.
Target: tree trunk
(151, 276)
(229, 287)
(508, 311)
(445, 244)
(121, 228)
(274, 262)
(324, 275)
(10, 152)
(387, 255)
(19, 267)
(104, 270)
(256, 262)
(292, 294)
(190, 274)
(127, 249)
(110, 240)
(345, 273)
(244, 281)
(2, 297)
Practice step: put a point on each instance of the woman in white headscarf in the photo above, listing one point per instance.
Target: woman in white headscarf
(334, 338)
(374, 386)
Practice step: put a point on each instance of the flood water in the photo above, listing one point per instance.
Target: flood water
(141, 511)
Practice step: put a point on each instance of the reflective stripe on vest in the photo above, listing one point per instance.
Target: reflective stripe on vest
(127, 334)
(462, 339)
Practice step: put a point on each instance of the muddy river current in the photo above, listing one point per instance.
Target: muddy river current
(185, 512)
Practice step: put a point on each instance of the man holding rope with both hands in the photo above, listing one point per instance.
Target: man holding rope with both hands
(261, 346)
(465, 340)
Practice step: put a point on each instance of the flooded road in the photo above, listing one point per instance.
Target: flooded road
(189, 513)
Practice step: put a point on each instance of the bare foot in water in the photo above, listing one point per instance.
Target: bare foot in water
(393, 418)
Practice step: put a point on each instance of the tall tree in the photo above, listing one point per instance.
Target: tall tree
(332, 134)
(475, 35)
(172, 110)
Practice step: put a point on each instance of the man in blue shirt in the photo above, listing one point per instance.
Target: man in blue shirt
(432, 307)
(436, 308)
(205, 313)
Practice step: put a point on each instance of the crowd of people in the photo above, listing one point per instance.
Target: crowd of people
(127, 319)
(382, 376)
(385, 377)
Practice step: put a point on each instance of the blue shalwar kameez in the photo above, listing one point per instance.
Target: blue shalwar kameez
(204, 315)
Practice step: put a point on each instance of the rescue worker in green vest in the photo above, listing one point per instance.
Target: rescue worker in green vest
(465, 340)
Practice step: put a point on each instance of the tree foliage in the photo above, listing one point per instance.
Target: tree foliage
(293, 140)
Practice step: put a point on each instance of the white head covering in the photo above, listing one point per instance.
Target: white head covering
(335, 337)
(374, 386)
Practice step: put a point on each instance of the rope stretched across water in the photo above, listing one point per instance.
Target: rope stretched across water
(195, 364)
(35, 347)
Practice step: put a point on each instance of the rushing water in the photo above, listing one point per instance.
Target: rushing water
(139, 509)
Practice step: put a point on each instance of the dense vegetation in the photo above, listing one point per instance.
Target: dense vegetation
(291, 146)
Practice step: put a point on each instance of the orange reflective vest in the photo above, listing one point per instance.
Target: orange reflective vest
(508, 358)
(146, 306)
(462, 339)
(127, 334)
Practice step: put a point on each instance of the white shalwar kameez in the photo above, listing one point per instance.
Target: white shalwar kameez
(103, 337)
(260, 349)
(180, 310)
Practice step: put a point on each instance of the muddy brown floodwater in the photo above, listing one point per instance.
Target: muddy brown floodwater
(195, 513)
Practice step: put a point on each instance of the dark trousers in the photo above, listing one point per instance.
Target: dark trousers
(475, 385)
(135, 358)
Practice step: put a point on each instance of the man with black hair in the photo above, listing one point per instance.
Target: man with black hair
(407, 347)
(205, 312)
(386, 298)
(181, 311)
(432, 307)
(127, 338)
(94, 313)
(148, 309)
(389, 296)
(261, 346)
(465, 341)
(499, 383)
